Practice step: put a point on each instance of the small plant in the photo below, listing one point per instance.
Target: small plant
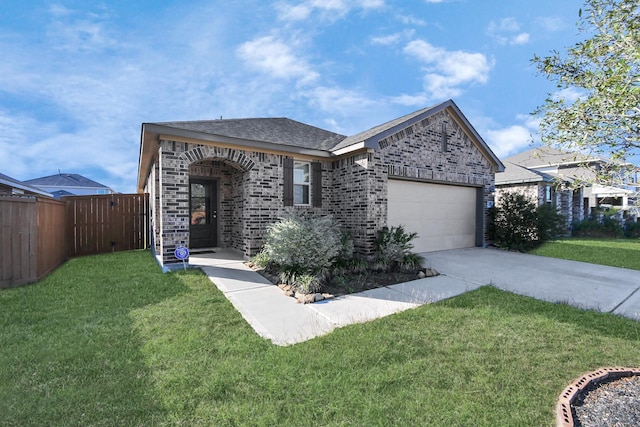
(411, 262)
(394, 250)
(308, 284)
(262, 260)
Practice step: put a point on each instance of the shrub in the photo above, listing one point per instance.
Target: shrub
(606, 227)
(303, 248)
(632, 229)
(551, 224)
(303, 242)
(394, 250)
(518, 224)
(515, 222)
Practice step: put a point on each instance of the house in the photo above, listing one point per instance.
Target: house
(69, 184)
(563, 179)
(221, 183)
(11, 186)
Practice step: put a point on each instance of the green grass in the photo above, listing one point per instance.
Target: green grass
(613, 252)
(111, 341)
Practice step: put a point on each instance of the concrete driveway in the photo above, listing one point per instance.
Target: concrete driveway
(587, 286)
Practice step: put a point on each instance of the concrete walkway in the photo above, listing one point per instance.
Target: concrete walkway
(282, 320)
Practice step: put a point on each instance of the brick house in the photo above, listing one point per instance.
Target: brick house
(221, 183)
(561, 179)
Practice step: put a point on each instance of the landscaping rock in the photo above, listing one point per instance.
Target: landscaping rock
(318, 297)
(421, 274)
(430, 272)
(305, 298)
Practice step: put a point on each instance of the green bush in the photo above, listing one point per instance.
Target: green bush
(302, 248)
(515, 222)
(394, 250)
(518, 224)
(632, 229)
(551, 224)
(305, 242)
(606, 227)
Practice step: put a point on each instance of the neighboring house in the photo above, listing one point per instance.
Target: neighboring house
(561, 179)
(65, 184)
(11, 186)
(221, 183)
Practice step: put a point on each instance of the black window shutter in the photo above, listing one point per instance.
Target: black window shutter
(287, 164)
(316, 182)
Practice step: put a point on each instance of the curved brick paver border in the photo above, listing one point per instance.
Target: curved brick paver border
(564, 414)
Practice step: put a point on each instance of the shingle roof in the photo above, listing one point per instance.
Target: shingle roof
(363, 136)
(547, 156)
(12, 182)
(65, 180)
(281, 131)
(516, 174)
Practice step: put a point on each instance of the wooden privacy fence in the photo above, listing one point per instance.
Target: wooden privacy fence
(38, 234)
(32, 238)
(106, 223)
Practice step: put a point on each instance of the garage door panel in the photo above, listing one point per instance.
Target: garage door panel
(444, 216)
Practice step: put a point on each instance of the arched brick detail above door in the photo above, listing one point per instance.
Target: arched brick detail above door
(235, 158)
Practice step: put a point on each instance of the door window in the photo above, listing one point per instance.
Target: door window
(199, 204)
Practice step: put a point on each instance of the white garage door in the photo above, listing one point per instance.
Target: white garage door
(444, 216)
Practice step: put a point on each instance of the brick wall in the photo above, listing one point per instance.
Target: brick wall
(251, 187)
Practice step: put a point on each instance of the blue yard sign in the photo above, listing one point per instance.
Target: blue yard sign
(182, 253)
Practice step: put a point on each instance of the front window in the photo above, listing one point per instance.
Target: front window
(301, 183)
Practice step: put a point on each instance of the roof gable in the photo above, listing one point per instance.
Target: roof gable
(371, 138)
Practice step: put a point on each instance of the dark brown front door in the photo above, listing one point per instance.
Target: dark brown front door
(203, 202)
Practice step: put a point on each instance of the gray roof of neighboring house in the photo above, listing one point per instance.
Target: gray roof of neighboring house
(12, 182)
(516, 174)
(546, 156)
(65, 180)
(280, 131)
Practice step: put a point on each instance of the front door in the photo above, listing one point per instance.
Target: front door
(203, 211)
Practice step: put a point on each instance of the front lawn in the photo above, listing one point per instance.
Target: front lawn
(613, 252)
(111, 341)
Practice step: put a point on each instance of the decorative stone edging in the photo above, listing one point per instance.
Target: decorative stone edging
(564, 413)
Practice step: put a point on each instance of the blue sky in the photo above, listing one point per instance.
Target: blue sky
(78, 78)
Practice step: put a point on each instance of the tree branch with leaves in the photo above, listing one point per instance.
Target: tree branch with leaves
(596, 109)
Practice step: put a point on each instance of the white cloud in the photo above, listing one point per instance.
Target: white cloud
(569, 94)
(509, 140)
(392, 39)
(411, 20)
(550, 23)
(522, 38)
(446, 71)
(272, 56)
(329, 9)
(417, 100)
(504, 25)
(507, 31)
(77, 32)
(512, 139)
